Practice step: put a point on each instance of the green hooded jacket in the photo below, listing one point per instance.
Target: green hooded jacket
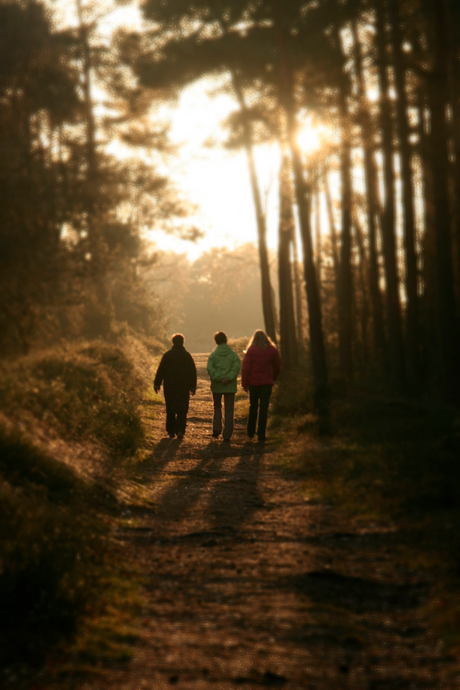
(223, 362)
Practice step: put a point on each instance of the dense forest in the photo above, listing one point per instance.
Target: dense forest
(384, 77)
(381, 276)
(73, 214)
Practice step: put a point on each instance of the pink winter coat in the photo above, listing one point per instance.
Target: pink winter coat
(260, 366)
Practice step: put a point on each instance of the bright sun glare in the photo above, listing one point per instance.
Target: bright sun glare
(213, 179)
(310, 136)
(217, 180)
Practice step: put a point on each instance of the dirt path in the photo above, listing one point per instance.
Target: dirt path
(248, 585)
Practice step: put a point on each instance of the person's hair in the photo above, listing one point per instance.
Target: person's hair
(260, 339)
(178, 339)
(220, 337)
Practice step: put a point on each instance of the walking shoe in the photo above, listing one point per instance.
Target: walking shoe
(215, 435)
(180, 435)
(226, 440)
(171, 435)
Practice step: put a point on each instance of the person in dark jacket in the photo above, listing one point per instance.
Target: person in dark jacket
(177, 373)
(261, 368)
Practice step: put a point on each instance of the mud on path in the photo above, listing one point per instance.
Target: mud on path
(248, 585)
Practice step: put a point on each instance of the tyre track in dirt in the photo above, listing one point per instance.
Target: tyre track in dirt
(247, 585)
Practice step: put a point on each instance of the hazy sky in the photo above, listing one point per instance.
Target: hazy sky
(214, 179)
(217, 180)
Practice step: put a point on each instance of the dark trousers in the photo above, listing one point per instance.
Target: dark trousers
(175, 422)
(229, 407)
(259, 398)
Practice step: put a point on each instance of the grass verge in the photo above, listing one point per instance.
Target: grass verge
(390, 461)
(61, 587)
(89, 392)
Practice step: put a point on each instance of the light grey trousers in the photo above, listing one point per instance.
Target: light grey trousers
(229, 407)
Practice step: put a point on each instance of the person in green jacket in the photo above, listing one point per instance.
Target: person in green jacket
(223, 368)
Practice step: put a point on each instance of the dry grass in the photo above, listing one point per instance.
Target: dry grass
(68, 418)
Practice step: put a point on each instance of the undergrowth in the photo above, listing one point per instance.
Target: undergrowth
(50, 546)
(387, 456)
(239, 345)
(391, 460)
(86, 392)
(54, 523)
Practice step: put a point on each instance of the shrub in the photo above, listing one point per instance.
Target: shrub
(52, 541)
(90, 392)
(294, 394)
(239, 345)
(49, 546)
(23, 465)
(390, 456)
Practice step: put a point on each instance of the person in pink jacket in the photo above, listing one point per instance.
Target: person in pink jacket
(261, 367)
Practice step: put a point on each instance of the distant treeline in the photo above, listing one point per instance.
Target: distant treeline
(218, 291)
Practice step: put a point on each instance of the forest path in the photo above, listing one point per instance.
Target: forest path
(245, 584)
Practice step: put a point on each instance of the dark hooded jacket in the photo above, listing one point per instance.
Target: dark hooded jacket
(177, 373)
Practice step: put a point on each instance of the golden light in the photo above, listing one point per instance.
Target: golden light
(214, 178)
(310, 136)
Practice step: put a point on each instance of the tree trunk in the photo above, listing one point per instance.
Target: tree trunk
(373, 211)
(333, 233)
(395, 334)
(267, 300)
(345, 292)
(288, 342)
(431, 339)
(409, 231)
(297, 290)
(318, 238)
(97, 244)
(91, 159)
(447, 313)
(345, 272)
(453, 40)
(317, 349)
(364, 311)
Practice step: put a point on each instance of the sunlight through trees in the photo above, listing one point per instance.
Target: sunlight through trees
(359, 102)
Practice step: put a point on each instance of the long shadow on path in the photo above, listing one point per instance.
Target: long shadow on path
(163, 453)
(229, 489)
(233, 499)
